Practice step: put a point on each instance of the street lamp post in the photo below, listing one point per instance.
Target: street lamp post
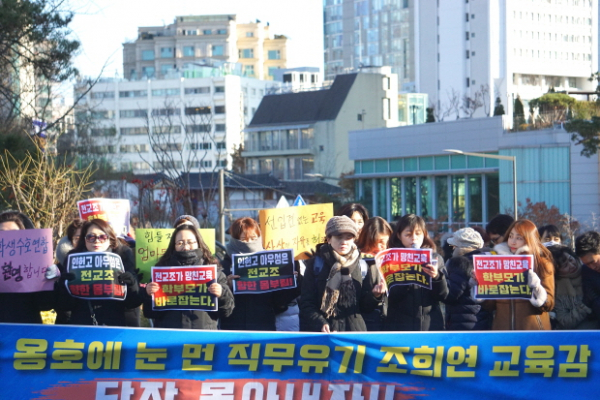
(497, 157)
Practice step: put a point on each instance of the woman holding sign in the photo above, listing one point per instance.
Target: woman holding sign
(410, 307)
(253, 312)
(522, 238)
(187, 248)
(98, 236)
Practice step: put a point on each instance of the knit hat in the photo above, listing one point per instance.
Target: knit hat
(466, 237)
(187, 220)
(341, 224)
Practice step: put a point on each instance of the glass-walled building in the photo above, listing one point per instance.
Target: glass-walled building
(452, 190)
(407, 170)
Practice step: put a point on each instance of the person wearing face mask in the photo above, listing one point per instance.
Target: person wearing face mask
(411, 307)
(253, 312)
(330, 300)
(187, 248)
(98, 236)
(550, 234)
(522, 238)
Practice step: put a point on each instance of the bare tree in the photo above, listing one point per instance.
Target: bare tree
(182, 140)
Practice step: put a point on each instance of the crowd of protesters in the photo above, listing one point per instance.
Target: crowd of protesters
(339, 286)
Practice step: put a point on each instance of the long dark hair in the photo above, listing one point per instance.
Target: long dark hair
(350, 208)
(103, 226)
(368, 236)
(206, 254)
(411, 221)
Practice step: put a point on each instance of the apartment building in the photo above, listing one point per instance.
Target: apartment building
(461, 53)
(166, 125)
(200, 40)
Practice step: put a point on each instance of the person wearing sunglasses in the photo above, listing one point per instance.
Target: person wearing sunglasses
(187, 248)
(98, 236)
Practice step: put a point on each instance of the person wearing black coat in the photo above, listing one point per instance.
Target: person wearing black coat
(98, 236)
(331, 288)
(463, 312)
(187, 248)
(22, 308)
(253, 312)
(410, 307)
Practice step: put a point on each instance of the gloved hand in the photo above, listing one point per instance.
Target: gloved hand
(127, 278)
(52, 272)
(538, 293)
(67, 276)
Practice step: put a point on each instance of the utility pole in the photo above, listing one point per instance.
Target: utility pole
(222, 205)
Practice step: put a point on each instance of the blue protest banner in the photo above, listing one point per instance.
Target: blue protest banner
(104, 363)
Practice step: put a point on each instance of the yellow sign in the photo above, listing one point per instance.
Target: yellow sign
(151, 244)
(300, 228)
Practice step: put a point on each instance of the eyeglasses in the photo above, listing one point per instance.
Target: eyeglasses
(91, 238)
(183, 243)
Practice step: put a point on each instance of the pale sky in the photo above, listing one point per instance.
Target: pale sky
(102, 26)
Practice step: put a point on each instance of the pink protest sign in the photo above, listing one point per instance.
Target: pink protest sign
(24, 258)
(114, 211)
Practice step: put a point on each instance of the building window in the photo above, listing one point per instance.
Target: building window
(200, 128)
(148, 72)
(246, 53)
(166, 92)
(133, 93)
(166, 68)
(219, 89)
(201, 146)
(134, 131)
(221, 146)
(165, 112)
(188, 51)
(198, 90)
(219, 127)
(197, 110)
(166, 52)
(249, 71)
(249, 34)
(103, 95)
(222, 163)
(206, 163)
(272, 70)
(147, 55)
(218, 50)
(219, 109)
(274, 55)
(133, 114)
(207, 32)
(221, 31)
(191, 32)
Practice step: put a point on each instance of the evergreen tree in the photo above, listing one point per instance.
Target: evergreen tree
(499, 108)
(519, 112)
(430, 116)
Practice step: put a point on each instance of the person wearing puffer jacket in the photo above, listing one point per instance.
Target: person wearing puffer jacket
(463, 312)
(569, 310)
(522, 238)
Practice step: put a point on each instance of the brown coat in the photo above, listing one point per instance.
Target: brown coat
(520, 314)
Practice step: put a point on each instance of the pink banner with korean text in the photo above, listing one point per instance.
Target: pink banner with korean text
(25, 256)
(114, 211)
